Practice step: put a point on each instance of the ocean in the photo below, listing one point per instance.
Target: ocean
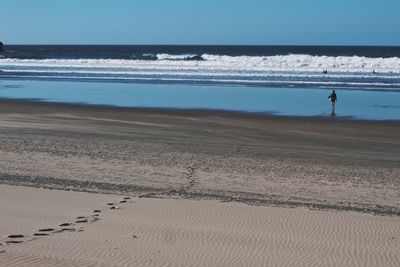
(267, 77)
(262, 66)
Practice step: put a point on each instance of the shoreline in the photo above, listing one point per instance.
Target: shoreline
(188, 111)
(287, 161)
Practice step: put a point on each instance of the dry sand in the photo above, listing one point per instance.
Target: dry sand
(167, 232)
(203, 186)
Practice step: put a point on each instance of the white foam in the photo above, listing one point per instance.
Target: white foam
(213, 62)
(341, 63)
(175, 57)
(293, 69)
(229, 81)
(207, 74)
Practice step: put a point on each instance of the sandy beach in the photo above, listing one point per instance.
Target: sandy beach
(62, 228)
(200, 134)
(205, 188)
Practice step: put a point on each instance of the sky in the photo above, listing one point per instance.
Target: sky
(236, 22)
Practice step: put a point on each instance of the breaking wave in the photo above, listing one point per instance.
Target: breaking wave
(179, 57)
(284, 70)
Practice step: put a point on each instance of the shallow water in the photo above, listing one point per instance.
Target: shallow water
(374, 105)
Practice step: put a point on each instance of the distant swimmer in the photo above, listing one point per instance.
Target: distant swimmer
(1, 47)
(333, 98)
(325, 71)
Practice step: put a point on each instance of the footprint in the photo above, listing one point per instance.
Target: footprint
(94, 219)
(97, 211)
(13, 241)
(15, 236)
(2, 251)
(127, 198)
(46, 230)
(114, 208)
(122, 201)
(40, 234)
(110, 204)
(82, 221)
(81, 217)
(65, 230)
(65, 224)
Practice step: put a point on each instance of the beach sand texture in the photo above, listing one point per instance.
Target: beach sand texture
(168, 232)
(206, 188)
(313, 162)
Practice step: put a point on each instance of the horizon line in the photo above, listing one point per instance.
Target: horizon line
(299, 45)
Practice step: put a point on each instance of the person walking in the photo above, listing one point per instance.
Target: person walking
(333, 98)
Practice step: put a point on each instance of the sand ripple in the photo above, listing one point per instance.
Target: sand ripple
(166, 232)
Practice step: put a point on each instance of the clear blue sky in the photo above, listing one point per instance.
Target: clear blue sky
(337, 22)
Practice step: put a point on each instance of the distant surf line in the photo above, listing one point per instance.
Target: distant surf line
(361, 86)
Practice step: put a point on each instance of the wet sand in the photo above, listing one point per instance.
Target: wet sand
(314, 162)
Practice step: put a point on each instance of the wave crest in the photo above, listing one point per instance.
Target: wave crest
(263, 70)
(179, 57)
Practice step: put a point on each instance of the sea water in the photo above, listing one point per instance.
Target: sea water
(282, 80)
(372, 105)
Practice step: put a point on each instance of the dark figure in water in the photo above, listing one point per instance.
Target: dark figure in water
(333, 98)
(1, 47)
